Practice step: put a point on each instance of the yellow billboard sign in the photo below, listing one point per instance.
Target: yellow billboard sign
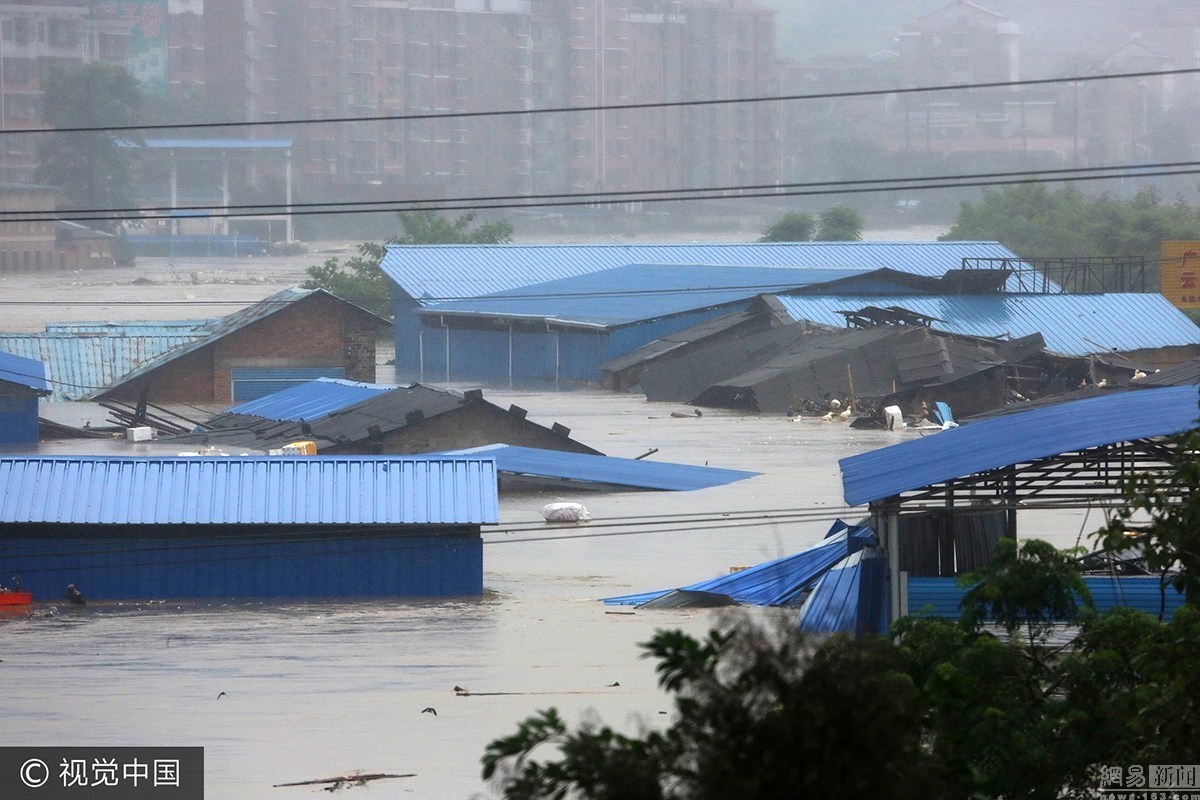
(1179, 273)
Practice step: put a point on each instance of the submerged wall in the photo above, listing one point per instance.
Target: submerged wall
(210, 562)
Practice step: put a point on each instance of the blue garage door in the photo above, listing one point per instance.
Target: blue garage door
(251, 383)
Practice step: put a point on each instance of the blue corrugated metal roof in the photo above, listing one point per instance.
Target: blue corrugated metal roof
(850, 598)
(311, 400)
(231, 323)
(638, 473)
(78, 364)
(1018, 438)
(636, 292)
(436, 272)
(772, 583)
(27, 372)
(1071, 324)
(169, 327)
(315, 490)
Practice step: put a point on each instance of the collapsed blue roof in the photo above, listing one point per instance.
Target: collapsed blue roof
(851, 597)
(432, 273)
(1070, 324)
(311, 400)
(772, 583)
(632, 472)
(1018, 438)
(25, 372)
(635, 292)
(357, 490)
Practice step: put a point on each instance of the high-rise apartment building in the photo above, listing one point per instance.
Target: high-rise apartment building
(264, 60)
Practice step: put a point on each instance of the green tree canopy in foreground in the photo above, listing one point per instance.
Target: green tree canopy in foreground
(89, 168)
(1036, 221)
(998, 703)
(361, 281)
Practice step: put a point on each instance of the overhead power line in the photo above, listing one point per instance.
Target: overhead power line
(517, 202)
(615, 107)
(611, 196)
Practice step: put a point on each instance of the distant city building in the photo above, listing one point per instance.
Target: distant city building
(32, 245)
(263, 60)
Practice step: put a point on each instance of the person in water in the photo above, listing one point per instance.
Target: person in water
(74, 595)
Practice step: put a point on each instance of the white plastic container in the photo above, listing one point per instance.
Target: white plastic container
(142, 434)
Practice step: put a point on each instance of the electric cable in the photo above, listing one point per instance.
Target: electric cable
(439, 115)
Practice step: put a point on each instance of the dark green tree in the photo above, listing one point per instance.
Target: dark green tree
(840, 224)
(759, 714)
(1160, 517)
(794, 226)
(1039, 222)
(360, 279)
(90, 168)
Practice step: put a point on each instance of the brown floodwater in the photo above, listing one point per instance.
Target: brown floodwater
(321, 689)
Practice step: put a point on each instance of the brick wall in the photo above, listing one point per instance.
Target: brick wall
(316, 332)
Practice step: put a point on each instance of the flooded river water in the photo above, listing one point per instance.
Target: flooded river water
(320, 689)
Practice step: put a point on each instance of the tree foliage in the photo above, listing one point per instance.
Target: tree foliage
(1160, 517)
(360, 279)
(840, 224)
(836, 224)
(89, 168)
(1040, 222)
(989, 705)
(759, 714)
(794, 226)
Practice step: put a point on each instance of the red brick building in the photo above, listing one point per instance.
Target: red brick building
(291, 337)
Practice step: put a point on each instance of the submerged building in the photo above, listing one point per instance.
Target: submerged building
(123, 528)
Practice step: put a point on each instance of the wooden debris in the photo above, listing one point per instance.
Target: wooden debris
(346, 781)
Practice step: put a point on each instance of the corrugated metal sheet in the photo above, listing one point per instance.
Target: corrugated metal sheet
(79, 364)
(398, 562)
(1071, 324)
(246, 490)
(678, 339)
(254, 383)
(137, 328)
(439, 272)
(310, 400)
(18, 420)
(27, 372)
(636, 292)
(568, 354)
(232, 323)
(1018, 438)
(772, 583)
(940, 597)
(851, 598)
(636, 473)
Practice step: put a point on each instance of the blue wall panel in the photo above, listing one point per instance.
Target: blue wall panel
(18, 420)
(281, 565)
(939, 597)
(407, 328)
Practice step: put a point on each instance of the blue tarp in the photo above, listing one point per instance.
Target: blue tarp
(632, 472)
(773, 583)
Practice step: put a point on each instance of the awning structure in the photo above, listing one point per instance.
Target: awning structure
(780, 582)
(1045, 452)
(1073, 454)
(561, 466)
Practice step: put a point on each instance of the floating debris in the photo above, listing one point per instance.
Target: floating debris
(347, 781)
